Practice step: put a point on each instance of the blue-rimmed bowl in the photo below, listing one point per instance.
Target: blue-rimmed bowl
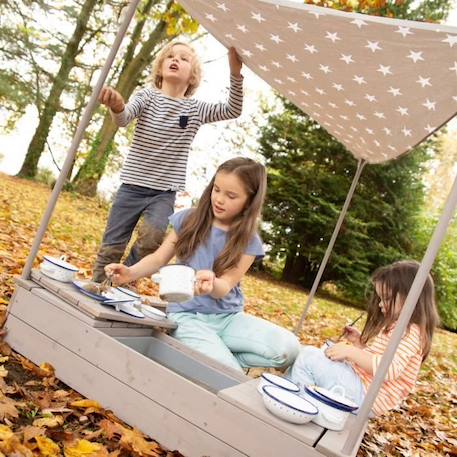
(287, 405)
(269, 379)
(58, 268)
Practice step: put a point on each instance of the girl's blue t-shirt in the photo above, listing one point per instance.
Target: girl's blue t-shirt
(203, 259)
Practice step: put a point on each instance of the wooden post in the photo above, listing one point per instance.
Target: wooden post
(323, 264)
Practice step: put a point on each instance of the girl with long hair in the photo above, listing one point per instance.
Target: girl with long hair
(219, 240)
(353, 363)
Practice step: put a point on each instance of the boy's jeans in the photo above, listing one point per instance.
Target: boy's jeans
(132, 202)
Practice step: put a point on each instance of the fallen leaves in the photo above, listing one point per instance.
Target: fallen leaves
(41, 416)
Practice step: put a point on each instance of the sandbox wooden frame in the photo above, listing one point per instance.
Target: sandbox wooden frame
(183, 399)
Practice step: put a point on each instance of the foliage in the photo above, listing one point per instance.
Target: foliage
(444, 270)
(425, 425)
(309, 175)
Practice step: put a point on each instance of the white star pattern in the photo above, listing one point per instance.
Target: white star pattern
(333, 37)
(384, 70)
(451, 40)
(429, 105)
(325, 69)
(359, 79)
(275, 38)
(347, 58)
(373, 46)
(404, 31)
(454, 68)
(257, 17)
(394, 91)
(294, 26)
(415, 56)
(222, 7)
(359, 23)
(310, 48)
(424, 81)
(406, 132)
(392, 75)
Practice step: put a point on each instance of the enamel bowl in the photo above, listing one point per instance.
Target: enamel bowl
(334, 408)
(58, 268)
(268, 379)
(287, 405)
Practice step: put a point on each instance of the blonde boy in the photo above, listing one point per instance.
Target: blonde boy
(168, 119)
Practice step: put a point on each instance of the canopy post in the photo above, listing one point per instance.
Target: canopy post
(403, 320)
(83, 123)
(360, 165)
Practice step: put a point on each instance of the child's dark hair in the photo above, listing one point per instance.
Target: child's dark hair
(396, 279)
(197, 226)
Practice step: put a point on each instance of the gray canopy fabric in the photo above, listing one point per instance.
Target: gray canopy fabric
(379, 86)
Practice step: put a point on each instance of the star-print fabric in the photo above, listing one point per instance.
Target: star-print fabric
(378, 85)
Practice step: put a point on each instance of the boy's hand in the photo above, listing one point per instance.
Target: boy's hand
(112, 99)
(204, 282)
(235, 62)
(119, 273)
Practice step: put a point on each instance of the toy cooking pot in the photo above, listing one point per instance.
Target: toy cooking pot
(176, 283)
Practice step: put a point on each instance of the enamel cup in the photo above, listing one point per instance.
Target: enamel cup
(176, 283)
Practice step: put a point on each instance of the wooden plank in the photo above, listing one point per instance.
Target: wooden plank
(136, 409)
(332, 442)
(126, 331)
(67, 308)
(71, 295)
(27, 284)
(246, 397)
(179, 362)
(201, 358)
(231, 424)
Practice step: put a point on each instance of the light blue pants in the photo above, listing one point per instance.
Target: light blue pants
(237, 339)
(312, 367)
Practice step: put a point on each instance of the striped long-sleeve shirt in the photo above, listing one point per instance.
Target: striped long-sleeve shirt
(165, 129)
(403, 371)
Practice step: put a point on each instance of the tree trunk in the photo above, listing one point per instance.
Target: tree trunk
(297, 271)
(30, 165)
(88, 176)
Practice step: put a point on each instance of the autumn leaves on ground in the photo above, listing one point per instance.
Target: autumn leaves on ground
(42, 416)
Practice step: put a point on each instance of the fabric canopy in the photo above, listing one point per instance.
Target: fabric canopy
(379, 86)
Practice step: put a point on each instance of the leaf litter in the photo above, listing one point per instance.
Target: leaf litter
(42, 416)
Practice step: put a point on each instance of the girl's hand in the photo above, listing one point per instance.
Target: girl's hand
(204, 282)
(112, 99)
(339, 351)
(119, 273)
(235, 62)
(352, 335)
